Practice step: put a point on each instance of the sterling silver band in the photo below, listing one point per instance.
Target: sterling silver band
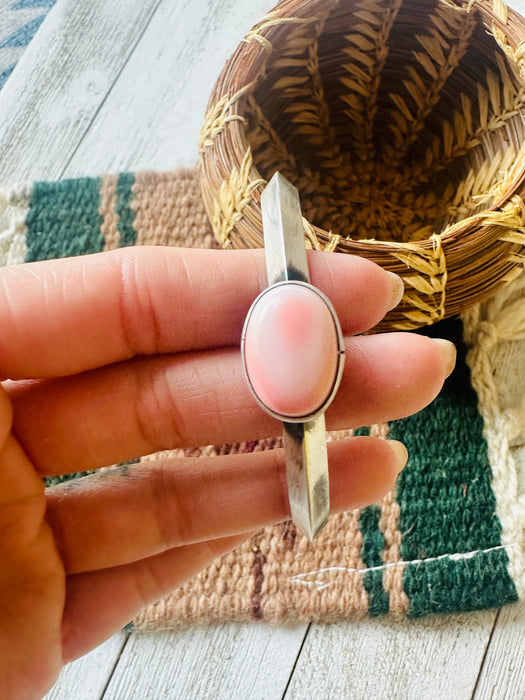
(304, 436)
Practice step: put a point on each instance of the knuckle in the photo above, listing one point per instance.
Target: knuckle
(139, 315)
(148, 582)
(171, 508)
(157, 416)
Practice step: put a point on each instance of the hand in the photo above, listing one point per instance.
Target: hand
(112, 356)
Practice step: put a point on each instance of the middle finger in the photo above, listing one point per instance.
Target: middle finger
(145, 405)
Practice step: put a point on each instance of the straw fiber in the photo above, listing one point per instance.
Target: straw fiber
(401, 122)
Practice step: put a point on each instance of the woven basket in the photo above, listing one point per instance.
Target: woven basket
(401, 122)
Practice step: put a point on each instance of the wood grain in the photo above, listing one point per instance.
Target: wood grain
(61, 81)
(434, 658)
(503, 672)
(154, 112)
(222, 662)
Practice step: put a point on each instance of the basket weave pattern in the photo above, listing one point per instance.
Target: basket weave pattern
(401, 122)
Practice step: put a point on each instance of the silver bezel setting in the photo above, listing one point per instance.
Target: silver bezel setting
(340, 354)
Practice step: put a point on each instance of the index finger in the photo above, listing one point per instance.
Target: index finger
(66, 316)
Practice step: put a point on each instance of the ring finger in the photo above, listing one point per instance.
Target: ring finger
(127, 410)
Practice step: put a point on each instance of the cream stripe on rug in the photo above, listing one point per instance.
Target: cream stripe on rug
(14, 206)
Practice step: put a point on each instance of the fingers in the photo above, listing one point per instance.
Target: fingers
(99, 603)
(124, 411)
(70, 315)
(121, 516)
(391, 376)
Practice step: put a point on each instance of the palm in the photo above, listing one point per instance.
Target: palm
(32, 584)
(117, 355)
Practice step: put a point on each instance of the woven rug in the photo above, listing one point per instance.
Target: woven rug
(451, 537)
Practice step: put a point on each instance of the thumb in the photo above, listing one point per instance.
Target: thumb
(19, 482)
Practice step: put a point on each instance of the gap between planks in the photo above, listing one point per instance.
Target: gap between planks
(434, 658)
(110, 88)
(231, 660)
(296, 660)
(486, 654)
(117, 661)
(502, 673)
(48, 104)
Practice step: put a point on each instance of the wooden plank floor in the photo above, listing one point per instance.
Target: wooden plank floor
(123, 86)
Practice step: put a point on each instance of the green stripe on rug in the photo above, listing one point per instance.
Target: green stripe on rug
(447, 503)
(64, 219)
(128, 235)
(373, 545)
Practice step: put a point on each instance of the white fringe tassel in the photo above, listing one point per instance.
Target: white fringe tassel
(14, 205)
(501, 318)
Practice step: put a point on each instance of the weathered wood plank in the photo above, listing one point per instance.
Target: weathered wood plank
(503, 672)
(438, 657)
(61, 81)
(154, 113)
(87, 677)
(222, 662)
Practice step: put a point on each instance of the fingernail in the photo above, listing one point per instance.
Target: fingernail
(400, 452)
(398, 289)
(448, 351)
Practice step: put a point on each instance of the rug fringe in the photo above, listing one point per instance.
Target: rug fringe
(14, 205)
(501, 318)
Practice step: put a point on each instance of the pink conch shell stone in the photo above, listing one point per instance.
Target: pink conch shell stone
(291, 350)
